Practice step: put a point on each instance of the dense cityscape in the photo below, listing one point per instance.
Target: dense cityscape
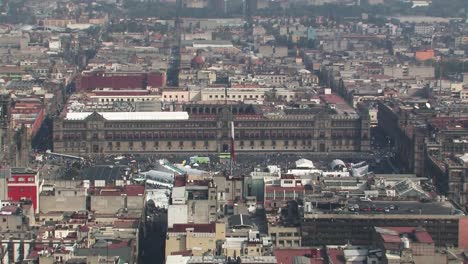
(234, 131)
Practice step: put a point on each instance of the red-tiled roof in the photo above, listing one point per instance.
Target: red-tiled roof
(423, 237)
(332, 99)
(391, 238)
(26, 206)
(420, 235)
(125, 224)
(84, 228)
(120, 244)
(401, 229)
(134, 190)
(336, 256)
(34, 254)
(7, 69)
(198, 59)
(286, 255)
(449, 122)
(179, 181)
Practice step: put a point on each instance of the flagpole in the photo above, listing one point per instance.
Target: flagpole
(232, 145)
(230, 165)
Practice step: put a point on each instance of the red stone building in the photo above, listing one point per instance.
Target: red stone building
(89, 81)
(278, 193)
(23, 185)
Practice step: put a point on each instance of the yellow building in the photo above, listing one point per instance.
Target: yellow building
(175, 95)
(58, 22)
(239, 246)
(199, 238)
(282, 236)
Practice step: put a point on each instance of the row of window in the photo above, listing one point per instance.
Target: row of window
(245, 96)
(275, 124)
(208, 135)
(181, 144)
(347, 134)
(162, 135)
(194, 147)
(155, 144)
(234, 96)
(122, 99)
(206, 143)
(273, 143)
(143, 144)
(271, 77)
(343, 124)
(21, 179)
(288, 243)
(74, 144)
(281, 194)
(347, 142)
(286, 234)
(74, 125)
(175, 96)
(162, 125)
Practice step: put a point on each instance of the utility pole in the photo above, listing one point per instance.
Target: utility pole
(440, 74)
(3, 252)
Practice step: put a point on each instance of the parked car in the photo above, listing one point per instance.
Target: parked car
(366, 209)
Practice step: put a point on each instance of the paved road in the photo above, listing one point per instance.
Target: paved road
(405, 207)
(243, 165)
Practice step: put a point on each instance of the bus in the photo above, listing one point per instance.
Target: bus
(224, 155)
(199, 160)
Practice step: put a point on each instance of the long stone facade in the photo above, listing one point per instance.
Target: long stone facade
(210, 132)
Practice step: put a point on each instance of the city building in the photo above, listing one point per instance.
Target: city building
(113, 200)
(96, 80)
(206, 129)
(407, 244)
(324, 229)
(62, 196)
(23, 185)
(278, 193)
(197, 238)
(285, 237)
